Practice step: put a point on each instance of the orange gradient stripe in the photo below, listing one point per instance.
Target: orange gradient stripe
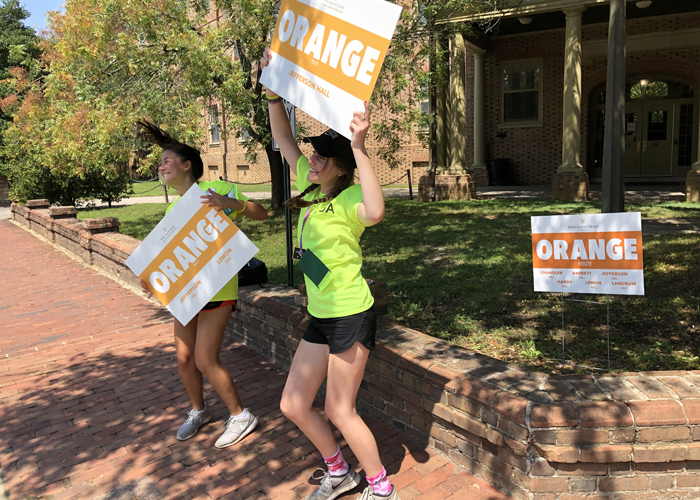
(569, 238)
(176, 289)
(334, 76)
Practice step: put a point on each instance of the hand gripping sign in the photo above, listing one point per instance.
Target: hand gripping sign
(326, 55)
(589, 253)
(190, 255)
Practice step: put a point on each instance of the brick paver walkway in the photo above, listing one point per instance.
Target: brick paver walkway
(90, 400)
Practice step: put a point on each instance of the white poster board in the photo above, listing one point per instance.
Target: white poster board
(589, 253)
(190, 255)
(326, 55)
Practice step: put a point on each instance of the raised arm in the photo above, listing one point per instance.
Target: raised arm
(371, 210)
(279, 123)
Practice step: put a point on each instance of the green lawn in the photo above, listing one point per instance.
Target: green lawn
(462, 271)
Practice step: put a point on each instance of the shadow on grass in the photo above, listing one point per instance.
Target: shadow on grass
(462, 271)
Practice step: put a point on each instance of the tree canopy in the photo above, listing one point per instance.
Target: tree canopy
(108, 63)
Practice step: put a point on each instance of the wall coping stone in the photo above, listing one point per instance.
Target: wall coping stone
(42, 203)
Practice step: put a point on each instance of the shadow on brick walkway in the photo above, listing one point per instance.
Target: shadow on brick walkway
(90, 401)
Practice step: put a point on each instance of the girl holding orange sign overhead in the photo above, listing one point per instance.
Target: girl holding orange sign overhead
(198, 342)
(341, 333)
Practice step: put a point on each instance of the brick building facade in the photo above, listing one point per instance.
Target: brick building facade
(529, 52)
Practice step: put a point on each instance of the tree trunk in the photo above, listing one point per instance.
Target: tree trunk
(277, 176)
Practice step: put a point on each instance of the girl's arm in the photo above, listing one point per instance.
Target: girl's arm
(279, 122)
(371, 210)
(242, 207)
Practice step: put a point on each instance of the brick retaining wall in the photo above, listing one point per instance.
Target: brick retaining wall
(611, 436)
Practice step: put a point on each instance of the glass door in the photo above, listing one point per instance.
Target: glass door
(632, 165)
(657, 140)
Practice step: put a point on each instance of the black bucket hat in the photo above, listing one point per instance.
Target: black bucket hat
(331, 144)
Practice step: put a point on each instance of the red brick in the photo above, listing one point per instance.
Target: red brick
(560, 454)
(604, 414)
(659, 453)
(655, 435)
(512, 407)
(582, 437)
(692, 410)
(604, 454)
(553, 415)
(444, 377)
(477, 391)
(623, 483)
(652, 413)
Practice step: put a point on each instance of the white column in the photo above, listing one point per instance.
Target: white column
(458, 108)
(479, 109)
(571, 132)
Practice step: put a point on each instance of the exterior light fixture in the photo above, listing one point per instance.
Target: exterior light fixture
(643, 82)
(525, 20)
(643, 4)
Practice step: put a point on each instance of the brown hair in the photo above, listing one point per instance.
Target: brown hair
(158, 136)
(346, 181)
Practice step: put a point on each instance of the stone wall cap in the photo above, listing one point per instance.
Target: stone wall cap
(101, 222)
(42, 203)
(63, 211)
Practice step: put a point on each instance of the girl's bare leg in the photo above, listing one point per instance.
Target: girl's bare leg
(309, 369)
(211, 327)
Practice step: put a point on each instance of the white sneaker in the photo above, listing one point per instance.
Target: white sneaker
(236, 429)
(369, 494)
(333, 486)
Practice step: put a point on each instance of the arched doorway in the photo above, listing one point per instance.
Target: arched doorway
(661, 120)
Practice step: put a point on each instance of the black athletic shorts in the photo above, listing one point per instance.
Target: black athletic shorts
(342, 333)
(210, 306)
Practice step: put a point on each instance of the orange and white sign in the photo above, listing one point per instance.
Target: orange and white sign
(190, 255)
(326, 55)
(589, 253)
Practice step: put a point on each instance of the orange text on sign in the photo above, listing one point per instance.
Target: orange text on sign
(186, 254)
(351, 56)
(614, 250)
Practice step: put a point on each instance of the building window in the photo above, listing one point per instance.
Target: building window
(243, 136)
(521, 95)
(215, 133)
(243, 170)
(213, 167)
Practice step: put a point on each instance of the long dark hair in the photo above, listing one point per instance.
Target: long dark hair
(345, 182)
(158, 136)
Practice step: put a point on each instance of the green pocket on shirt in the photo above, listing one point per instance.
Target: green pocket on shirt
(314, 269)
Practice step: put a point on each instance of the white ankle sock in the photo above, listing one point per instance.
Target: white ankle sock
(243, 415)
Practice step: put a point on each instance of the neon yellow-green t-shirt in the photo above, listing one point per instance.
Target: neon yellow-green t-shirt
(230, 289)
(332, 232)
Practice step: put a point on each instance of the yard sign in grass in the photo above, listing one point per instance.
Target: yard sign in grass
(190, 255)
(588, 253)
(327, 55)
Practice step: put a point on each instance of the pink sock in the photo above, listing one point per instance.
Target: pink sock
(337, 466)
(380, 484)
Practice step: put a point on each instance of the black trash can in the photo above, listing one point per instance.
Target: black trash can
(499, 172)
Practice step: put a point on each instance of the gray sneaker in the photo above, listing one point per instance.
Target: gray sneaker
(195, 419)
(235, 430)
(369, 494)
(332, 487)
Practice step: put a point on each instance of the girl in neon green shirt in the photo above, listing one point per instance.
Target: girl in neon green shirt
(335, 347)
